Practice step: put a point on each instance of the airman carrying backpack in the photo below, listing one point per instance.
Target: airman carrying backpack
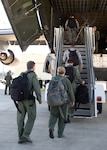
(19, 90)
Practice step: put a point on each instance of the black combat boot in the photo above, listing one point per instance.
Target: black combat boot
(68, 119)
(51, 133)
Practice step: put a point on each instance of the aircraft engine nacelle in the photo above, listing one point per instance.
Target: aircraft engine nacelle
(8, 58)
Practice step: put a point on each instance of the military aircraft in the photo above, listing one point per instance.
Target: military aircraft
(32, 18)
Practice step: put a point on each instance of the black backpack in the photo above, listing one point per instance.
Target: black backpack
(74, 57)
(72, 23)
(69, 73)
(82, 94)
(19, 88)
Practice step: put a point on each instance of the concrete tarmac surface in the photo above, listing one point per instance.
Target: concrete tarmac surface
(80, 134)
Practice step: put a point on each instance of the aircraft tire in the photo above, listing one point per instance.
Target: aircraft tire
(99, 108)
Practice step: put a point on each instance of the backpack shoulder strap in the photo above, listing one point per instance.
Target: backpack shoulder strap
(61, 78)
(28, 72)
(53, 79)
(72, 50)
(25, 73)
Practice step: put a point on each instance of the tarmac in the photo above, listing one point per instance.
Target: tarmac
(80, 134)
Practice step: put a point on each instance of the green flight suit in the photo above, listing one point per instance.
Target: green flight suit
(29, 107)
(8, 79)
(54, 111)
(77, 78)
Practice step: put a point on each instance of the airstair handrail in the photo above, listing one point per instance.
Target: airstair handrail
(58, 46)
(88, 44)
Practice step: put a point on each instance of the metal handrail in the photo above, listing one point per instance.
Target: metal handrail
(58, 43)
(91, 77)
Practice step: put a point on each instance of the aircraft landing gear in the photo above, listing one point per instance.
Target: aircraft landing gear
(99, 108)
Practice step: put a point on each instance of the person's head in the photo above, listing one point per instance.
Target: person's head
(61, 71)
(72, 45)
(9, 72)
(31, 65)
(95, 28)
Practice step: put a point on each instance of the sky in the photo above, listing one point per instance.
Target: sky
(4, 22)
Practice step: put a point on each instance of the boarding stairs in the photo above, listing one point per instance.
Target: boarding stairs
(84, 110)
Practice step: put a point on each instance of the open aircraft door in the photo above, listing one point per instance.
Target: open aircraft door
(28, 20)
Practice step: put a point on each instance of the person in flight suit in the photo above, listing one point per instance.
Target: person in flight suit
(97, 38)
(77, 70)
(66, 57)
(54, 110)
(8, 79)
(28, 106)
(72, 27)
(76, 77)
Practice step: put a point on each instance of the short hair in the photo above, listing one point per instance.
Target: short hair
(30, 64)
(73, 44)
(60, 70)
